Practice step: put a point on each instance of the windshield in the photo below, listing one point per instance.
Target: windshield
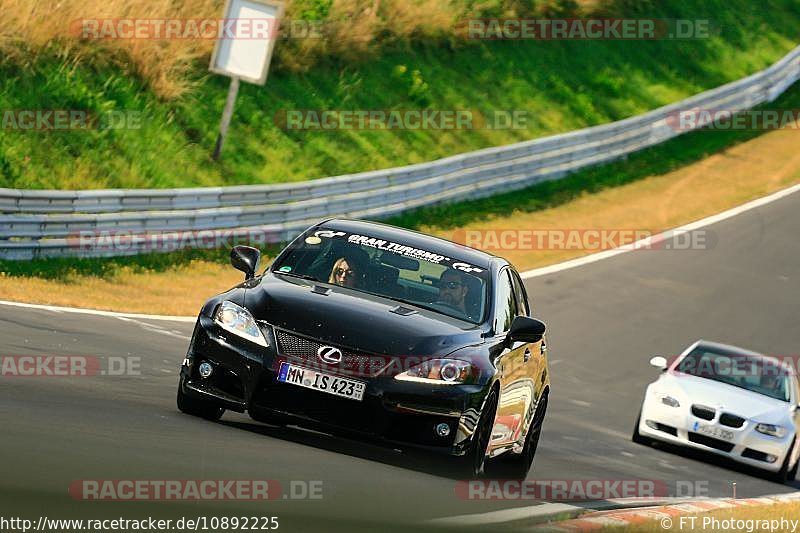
(422, 278)
(754, 373)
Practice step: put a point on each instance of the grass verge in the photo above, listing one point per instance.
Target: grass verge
(688, 178)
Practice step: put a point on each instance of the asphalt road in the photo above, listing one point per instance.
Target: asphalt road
(605, 321)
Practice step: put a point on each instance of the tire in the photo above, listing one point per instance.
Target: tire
(517, 466)
(637, 437)
(472, 464)
(785, 473)
(198, 407)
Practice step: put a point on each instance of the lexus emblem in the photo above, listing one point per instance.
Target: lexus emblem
(329, 354)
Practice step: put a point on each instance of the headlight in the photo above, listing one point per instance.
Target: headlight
(669, 400)
(239, 321)
(440, 372)
(666, 399)
(772, 430)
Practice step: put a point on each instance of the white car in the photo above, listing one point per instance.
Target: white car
(729, 401)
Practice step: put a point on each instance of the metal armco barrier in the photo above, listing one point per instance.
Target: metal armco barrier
(49, 223)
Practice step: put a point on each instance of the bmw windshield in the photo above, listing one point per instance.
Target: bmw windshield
(419, 277)
(754, 373)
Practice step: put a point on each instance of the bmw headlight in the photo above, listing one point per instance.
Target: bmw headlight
(440, 372)
(772, 430)
(239, 321)
(668, 400)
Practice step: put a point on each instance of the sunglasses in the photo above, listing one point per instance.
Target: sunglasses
(451, 284)
(344, 272)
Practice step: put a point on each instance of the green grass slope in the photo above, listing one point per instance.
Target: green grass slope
(561, 85)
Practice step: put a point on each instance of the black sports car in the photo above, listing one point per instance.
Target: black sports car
(366, 329)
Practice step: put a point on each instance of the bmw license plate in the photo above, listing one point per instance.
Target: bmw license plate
(311, 379)
(713, 431)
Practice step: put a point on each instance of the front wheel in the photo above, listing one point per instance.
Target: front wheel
(785, 473)
(197, 407)
(517, 466)
(474, 461)
(637, 437)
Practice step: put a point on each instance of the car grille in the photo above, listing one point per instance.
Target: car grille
(302, 350)
(701, 411)
(711, 442)
(733, 421)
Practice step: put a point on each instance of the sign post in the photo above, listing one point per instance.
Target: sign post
(243, 50)
(227, 112)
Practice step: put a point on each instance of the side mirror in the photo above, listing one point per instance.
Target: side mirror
(246, 259)
(659, 362)
(525, 329)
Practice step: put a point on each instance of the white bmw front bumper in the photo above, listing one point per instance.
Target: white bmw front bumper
(678, 425)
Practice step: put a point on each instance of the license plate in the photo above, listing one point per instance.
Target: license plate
(713, 431)
(311, 379)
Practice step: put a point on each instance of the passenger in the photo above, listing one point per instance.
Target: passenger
(347, 273)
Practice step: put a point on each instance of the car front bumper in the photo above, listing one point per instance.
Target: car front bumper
(398, 412)
(677, 425)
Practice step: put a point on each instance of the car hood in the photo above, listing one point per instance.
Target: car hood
(363, 322)
(696, 390)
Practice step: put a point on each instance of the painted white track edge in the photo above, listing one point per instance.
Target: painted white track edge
(57, 309)
(643, 243)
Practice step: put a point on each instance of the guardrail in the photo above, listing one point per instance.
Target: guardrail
(129, 221)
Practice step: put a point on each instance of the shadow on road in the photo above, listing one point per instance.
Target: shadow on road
(719, 461)
(409, 459)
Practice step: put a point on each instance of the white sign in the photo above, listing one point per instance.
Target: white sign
(244, 47)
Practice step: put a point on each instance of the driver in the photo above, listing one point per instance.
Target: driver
(453, 289)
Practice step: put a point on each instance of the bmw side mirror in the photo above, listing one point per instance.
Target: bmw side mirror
(526, 329)
(659, 362)
(246, 259)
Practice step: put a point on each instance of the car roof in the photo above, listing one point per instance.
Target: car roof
(415, 239)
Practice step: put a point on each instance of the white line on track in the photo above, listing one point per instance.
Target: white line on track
(154, 328)
(719, 217)
(97, 312)
(543, 271)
